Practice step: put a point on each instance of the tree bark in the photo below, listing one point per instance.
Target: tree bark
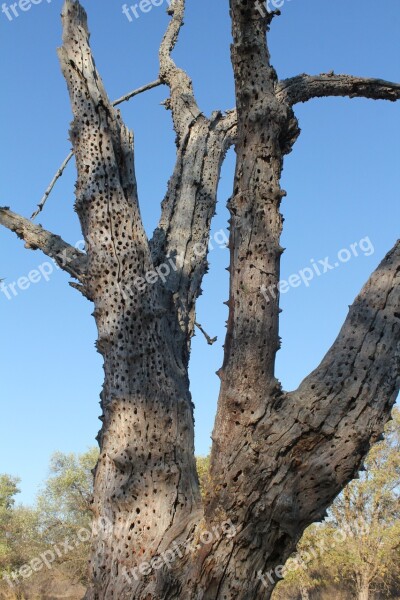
(363, 594)
(146, 483)
(362, 587)
(304, 593)
(278, 459)
(67, 257)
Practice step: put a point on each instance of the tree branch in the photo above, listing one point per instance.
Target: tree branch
(182, 102)
(184, 228)
(67, 257)
(300, 449)
(305, 87)
(53, 182)
(326, 427)
(210, 340)
(103, 147)
(64, 165)
(144, 88)
(352, 391)
(189, 205)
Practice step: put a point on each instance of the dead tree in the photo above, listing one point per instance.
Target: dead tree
(278, 459)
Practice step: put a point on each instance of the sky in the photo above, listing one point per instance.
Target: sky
(342, 181)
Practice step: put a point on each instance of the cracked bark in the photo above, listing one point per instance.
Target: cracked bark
(278, 458)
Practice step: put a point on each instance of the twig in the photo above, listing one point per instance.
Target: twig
(61, 170)
(210, 341)
(140, 90)
(52, 184)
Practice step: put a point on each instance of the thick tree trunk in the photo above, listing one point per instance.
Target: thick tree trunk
(278, 458)
(146, 485)
(145, 480)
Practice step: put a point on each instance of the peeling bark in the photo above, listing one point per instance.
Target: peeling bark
(278, 459)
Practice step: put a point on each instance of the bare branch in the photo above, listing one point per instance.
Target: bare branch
(187, 210)
(138, 91)
(62, 168)
(210, 340)
(305, 87)
(189, 204)
(67, 257)
(182, 102)
(52, 184)
(298, 450)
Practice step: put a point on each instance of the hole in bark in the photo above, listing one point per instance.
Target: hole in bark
(235, 479)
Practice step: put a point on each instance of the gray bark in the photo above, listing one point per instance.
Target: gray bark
(67, 257)
(278, 458)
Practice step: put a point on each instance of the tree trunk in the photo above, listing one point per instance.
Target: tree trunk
(304, 593)
(278, 459)
(363, 593)
(362, 588)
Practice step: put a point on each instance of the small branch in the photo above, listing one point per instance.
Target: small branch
(52, 184)
(305, 87)
(140, 90)
(67, 257)
(64, 165)
(210, 341)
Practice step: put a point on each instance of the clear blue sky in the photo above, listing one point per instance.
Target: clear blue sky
(342, 179)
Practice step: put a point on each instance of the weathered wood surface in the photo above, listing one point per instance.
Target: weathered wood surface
(278, 459)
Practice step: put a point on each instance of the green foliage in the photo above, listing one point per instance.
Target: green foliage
(19, 526)
(54, 526)
(64, 506)
(67, 493)
(203, 470)
(8, 491)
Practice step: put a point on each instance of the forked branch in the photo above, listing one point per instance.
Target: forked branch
(189, 205)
